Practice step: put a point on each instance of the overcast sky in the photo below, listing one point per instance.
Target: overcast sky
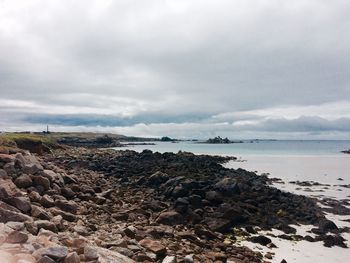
(182, 68)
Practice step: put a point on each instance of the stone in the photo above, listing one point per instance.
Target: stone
(214, 197)
(262, 240)
(47, 201)
(227, 185)
(8, 189)
(170, 218)
(68, 206)
(17, 237)
(21, 203)
(72, 258)
(42, 181)
(53, 177)
(90, 253)
(67, 216)
(218, 224)
(6, 158)
(108, 256)
(169, 259)
(188, 259)
(34, 196)
(46, 259)
(158, 178)
(23, 181)
(153, 245)
(3, 173)
(327, 225)
(130, 231)
(56, 253)
(45, 224)
(67, 192)
(40, 213)
(6, 216)
(16, 225)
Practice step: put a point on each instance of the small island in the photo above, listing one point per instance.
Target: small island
(219, 140)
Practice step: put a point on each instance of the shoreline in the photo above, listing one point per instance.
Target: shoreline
(154, 207)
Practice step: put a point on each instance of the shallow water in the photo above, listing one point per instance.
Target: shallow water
(255, 148)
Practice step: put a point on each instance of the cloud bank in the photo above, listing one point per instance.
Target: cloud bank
(243, 69)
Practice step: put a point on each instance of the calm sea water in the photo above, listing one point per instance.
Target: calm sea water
(256, 148)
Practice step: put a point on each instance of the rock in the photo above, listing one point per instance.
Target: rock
(16, 225)
(69, 179)
(6, 216)
(90, 253)
(67, 192)
(195, 201)
(67, 216)
(46, 259)
(3, 173)
(72, 258)
(42, 181)
(158, 178)
(68, 206)
(45, 224)
(218, 224)
(23, 181)
(169, 259)
(154, 246)
(108, 256)
(214, 197)
(330, 241)
(21, 203)
(327, 225)
(53, 177)
(216, 256)
(6, 158)
(120, 216)
(170, 218)
(47, 201)
(8, 189)
(81, 230)
(262, 240)
(40, 213)
(17, 237)
(56, 253)
(181, 205)
(34, 196)
(188, 259)
(227, 185)
(130, 231)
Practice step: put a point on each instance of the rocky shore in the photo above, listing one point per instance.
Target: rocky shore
(86, 205)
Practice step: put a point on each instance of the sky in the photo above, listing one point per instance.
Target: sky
(179, 68)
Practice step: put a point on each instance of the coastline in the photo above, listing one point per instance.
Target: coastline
(159, 206)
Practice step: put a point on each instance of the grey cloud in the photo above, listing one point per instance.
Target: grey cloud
(187, 60)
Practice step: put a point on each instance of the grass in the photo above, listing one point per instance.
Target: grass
(10, 139)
